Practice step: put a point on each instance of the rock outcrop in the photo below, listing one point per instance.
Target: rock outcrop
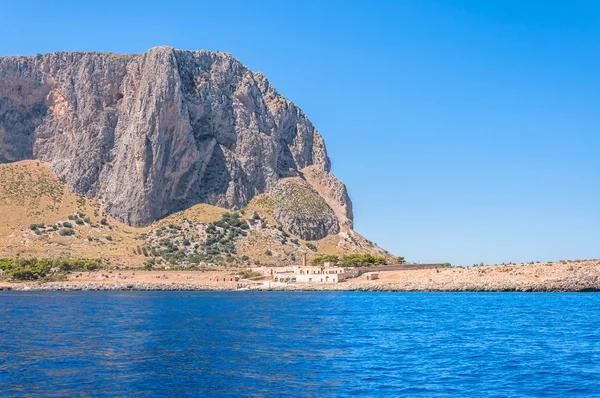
(302, 211)
(156, 133)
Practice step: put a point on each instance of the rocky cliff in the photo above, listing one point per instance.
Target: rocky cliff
(155, 133)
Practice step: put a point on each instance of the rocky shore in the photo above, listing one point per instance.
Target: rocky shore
(580, 276)
(108, 286)
(560, 286)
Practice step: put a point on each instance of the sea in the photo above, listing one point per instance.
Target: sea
(299, 344)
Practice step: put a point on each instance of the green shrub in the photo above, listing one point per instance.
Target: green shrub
(103, 221)
(66, 232)
(149, 264)
(362, 260)
(311, 247)
(33, 227)
(34, 269)
(269, 253)
(67, 224)
(248, 274)
(321, 260)
(58, 277)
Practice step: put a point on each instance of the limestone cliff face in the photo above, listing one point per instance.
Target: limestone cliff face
(155, 133)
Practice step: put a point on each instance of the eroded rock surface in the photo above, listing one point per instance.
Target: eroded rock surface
(155, 133)
(302, 211)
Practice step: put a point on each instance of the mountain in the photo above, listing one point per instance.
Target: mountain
(157, 133)
(171, 155)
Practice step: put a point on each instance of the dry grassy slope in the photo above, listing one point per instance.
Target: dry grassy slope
(32, 194)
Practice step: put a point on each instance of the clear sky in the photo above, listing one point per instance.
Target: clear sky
(467, 131)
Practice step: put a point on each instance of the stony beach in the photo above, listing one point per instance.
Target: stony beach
(575, 276)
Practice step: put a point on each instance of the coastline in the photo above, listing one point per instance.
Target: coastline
(66, 286)
(579, 276)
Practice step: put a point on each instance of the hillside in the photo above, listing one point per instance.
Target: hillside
(41, 217)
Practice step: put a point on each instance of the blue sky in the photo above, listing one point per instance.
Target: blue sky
(467, 131)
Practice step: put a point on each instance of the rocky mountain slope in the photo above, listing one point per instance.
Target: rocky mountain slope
(152, 134)
(40, 217)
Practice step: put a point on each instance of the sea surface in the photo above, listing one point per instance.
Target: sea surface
(129, 344)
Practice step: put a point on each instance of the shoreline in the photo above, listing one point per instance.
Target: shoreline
(580, 276)
(91, 287)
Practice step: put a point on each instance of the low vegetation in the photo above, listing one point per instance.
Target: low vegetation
(249, 274)
(199, 244)
(20, 269)
(196, 243)
(351, 260)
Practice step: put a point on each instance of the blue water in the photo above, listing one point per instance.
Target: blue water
(299, 344)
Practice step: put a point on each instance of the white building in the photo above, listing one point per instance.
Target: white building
(314, 274)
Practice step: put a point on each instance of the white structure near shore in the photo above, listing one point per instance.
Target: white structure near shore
(313, 274)
(306, 274)
(331, 274)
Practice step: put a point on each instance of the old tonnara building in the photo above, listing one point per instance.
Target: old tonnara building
(314, 274)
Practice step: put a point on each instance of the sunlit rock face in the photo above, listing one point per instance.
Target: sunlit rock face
(155, 133)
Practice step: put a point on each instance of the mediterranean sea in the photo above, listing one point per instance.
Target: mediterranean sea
(142, 344)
